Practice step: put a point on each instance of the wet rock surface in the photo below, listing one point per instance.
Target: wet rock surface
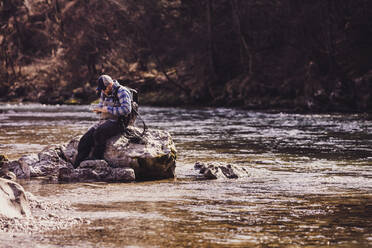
(96, 170)
(221, 170)
(45, 164)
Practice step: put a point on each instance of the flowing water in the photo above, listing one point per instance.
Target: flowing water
(310, 182)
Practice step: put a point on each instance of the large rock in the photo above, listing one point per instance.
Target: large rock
(221, 170)
(127, 159)
(13, 200)
(151, 158)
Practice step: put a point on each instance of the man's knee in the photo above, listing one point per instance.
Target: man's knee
(106, 131)
(99, 136)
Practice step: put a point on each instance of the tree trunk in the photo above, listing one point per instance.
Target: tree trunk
(246, 51)
(330, 38)
(212, 77)
(211, 61)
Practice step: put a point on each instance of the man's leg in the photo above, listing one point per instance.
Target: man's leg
(85, 145)
(103, 132)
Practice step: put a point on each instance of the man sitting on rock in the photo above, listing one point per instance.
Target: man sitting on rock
(117, 110)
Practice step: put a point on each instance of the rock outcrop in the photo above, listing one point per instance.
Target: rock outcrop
(150, 158)
(221, 170)
(154, 157)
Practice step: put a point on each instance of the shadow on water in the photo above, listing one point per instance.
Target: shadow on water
(310, 180)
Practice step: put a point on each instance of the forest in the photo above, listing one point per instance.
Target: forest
(287, 55)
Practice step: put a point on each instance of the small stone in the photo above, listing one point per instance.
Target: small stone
(221, 170)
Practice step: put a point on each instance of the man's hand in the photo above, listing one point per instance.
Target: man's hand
(100, 110)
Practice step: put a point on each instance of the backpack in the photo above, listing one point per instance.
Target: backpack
(131, 118)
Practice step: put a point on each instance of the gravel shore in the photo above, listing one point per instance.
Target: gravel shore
(46, 216)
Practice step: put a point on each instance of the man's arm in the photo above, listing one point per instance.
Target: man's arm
(125, 104)
(99, 106)
(101, 99)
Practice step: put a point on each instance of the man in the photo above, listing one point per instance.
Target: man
(115, 108)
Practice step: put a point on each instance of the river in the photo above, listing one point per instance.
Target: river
(310, 182)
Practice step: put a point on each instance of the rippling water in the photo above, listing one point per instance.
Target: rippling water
(310, 180)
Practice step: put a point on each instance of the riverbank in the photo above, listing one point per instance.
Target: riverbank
(46, 216)
(311, 97)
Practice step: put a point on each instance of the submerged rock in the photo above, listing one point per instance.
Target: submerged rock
(150, 158)
(220, 170)
(13, 200)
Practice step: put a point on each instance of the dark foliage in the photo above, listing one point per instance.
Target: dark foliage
(284, 54)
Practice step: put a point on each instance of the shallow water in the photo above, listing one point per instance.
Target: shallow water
(310, 180)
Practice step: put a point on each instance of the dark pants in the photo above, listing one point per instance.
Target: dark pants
(96, 138)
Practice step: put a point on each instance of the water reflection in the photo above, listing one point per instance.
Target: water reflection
(309, 184)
